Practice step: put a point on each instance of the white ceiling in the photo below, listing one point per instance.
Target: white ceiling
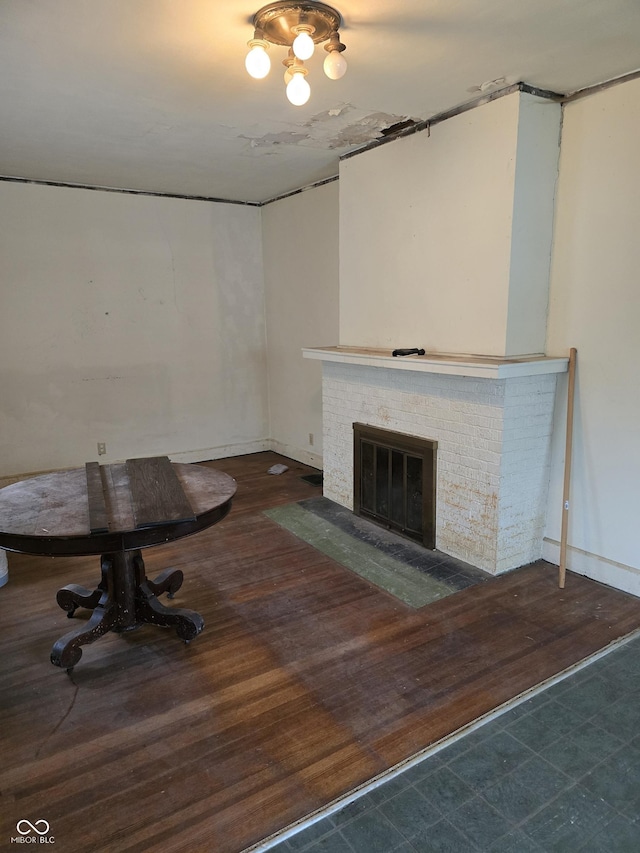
(152, 95)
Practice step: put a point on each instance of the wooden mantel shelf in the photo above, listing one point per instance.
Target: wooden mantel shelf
(478, 366)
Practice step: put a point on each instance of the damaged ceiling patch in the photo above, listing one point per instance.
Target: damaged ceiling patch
(285, 137)
(328, 115)
(371, 127)
(343, 126)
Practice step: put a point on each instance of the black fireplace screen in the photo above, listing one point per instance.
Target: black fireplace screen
(395, 481)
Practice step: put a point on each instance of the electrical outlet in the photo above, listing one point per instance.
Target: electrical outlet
(311, 439)
(102, 448)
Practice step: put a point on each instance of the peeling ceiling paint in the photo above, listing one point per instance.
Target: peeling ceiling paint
(327, 115)
(285, 137)
(338, 127)
(365, 130)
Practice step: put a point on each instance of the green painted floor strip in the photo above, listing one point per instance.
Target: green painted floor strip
(407, 583)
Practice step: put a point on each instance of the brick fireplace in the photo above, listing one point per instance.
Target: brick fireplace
(492, 420)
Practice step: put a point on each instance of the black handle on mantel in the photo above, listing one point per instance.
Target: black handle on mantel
(413, 351)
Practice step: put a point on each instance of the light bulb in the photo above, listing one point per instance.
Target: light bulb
(298, 90)
(303, 46)
(257, 62)
(288, 76)
(335, 65)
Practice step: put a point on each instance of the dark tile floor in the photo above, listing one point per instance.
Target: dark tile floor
(559, 772)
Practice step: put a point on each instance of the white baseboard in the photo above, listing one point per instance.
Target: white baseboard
(204, 454)
(618, 575)
(304, 456)
(221, 451)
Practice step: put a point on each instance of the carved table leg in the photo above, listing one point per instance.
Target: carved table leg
(170, 579)
(66, 651)
(72, 596)
(188, 623)
(123, 600)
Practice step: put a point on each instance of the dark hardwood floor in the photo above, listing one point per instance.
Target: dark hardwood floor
(306, 682)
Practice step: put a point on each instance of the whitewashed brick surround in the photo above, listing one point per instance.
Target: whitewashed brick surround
(493, 456)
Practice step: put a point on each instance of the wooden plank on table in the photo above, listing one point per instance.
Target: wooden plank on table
(157, 496)
(98, 518)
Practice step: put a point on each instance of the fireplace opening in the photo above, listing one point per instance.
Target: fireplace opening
(395, 481)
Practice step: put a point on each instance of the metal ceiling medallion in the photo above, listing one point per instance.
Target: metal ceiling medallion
(279, 20)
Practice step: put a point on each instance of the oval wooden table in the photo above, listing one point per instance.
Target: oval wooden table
(115, 511)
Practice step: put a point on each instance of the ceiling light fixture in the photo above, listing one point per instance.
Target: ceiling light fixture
(300, 27)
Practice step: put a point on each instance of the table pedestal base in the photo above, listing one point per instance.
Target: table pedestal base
(124, 599)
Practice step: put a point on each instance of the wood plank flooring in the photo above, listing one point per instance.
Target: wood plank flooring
(306, 682)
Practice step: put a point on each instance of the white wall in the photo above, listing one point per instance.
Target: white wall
(539, 123)
(300, 248)
(595, 306)
(131, 320)
(434, 227)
